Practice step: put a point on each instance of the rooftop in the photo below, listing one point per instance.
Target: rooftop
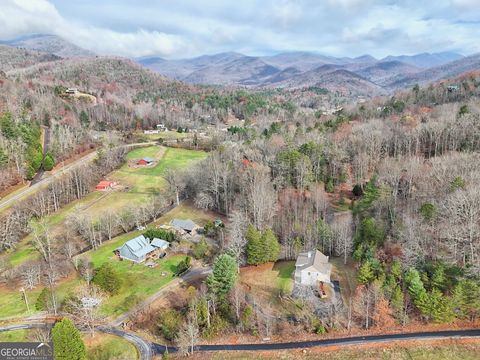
(187, 224)
(139, 246)
(314, 259)
(160, 243)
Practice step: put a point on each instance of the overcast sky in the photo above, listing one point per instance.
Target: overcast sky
(186, 28)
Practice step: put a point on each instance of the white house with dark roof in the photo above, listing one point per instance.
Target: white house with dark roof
(311, 268)
(136, 250)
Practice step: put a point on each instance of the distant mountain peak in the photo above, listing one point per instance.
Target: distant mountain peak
(426, 60)
(48, 43)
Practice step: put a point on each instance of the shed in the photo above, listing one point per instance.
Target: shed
(105, 185)
(145, 161)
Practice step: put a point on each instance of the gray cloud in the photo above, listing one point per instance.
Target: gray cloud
(186, 28)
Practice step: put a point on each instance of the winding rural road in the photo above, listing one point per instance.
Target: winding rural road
(147, 349)
(356, 340)
(41, 183)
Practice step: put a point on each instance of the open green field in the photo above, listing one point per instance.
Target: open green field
(149, 179)
(184, 211)
(12, 303)
(106, 347)
(139, 281)
(141, 182)
(14, 335)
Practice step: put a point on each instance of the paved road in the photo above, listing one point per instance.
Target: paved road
(192, 275)
(144, 347)
(47, 180)
(147, 349)
(356, 340)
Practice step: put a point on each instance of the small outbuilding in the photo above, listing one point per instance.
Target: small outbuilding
(145, 161)
(105, 185)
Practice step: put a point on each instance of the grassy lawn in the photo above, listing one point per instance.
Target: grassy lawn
(14, 335)
(150, 151)
(138, 279)
(269, 280)
(285, 275)
(142, 183)
(106, 346)
(174, 158)
(148, 180)
(12, 303)
(346, 274)
(23, 253)
(186, 210)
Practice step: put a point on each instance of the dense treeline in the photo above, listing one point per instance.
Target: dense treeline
(408, 178)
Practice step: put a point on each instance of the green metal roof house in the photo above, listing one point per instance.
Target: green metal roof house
(136, 249)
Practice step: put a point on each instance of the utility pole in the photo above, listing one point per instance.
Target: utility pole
(25, 298)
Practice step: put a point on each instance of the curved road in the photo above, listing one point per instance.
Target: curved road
(144, 347)
(147, 349)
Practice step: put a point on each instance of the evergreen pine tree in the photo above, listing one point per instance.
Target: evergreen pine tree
(439, 280)
(42, 301)
(67, 341)
(107, 278)
(223, 277)
(271, 247)
(397, 299)
(365, 273)
(440, 307)
(254, 246)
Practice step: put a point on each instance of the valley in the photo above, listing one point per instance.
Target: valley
(244, 197)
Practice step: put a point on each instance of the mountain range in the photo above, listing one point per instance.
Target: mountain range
(351, 76)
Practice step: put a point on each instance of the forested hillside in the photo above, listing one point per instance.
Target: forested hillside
(385, 187)
(392, 183)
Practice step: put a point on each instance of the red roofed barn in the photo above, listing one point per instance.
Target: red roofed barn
(105, 185)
